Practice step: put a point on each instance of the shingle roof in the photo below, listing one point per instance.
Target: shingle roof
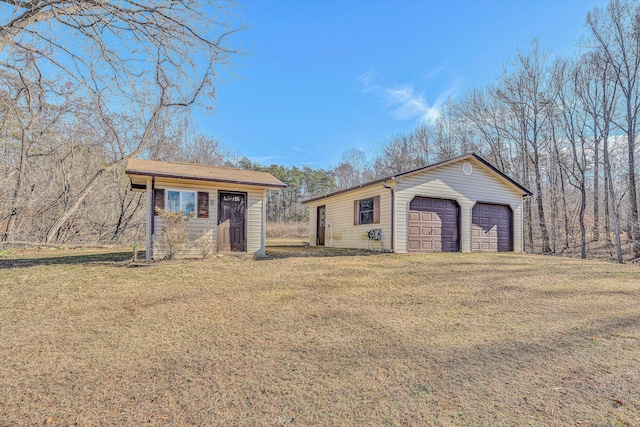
(524, 190)
(202, 173)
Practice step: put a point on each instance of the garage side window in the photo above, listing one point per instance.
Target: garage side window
(366, 211)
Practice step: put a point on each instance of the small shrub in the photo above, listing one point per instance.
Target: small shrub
(174, 236)
(134, 256)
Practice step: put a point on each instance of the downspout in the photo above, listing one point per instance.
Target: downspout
(153, 213)
(392, 214)
(524, 199)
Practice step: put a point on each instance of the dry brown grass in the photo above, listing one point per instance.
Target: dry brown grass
(599, 250)
(288, 229)
(287, 241)
(319, 337)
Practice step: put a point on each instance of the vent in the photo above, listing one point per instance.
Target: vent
(374, 234)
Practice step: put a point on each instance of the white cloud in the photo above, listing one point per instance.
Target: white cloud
(296, 148)
(404, 102)
(368, 81)
(431, 74)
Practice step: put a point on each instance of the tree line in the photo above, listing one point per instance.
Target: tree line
(73, 109)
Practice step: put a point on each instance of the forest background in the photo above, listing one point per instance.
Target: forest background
(564, 128)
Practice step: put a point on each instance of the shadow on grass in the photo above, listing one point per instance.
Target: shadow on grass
(102, 258)
(280, 252)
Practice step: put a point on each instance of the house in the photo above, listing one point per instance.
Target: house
(462, 204)
(228, 204)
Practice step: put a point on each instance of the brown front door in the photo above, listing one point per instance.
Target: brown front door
(433, 225)
(231, 222)
(321, 225)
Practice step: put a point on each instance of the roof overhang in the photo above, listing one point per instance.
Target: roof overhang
(346, 190)
(501, 175)
(145, 175)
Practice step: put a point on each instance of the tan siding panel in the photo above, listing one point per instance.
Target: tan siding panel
(341, 233)
(313, 223)
(255, 200)
(196, 226)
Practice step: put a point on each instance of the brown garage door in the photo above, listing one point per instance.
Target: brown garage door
(433, 225)
(491, 228)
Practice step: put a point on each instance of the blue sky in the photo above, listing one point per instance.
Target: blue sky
(321, 77)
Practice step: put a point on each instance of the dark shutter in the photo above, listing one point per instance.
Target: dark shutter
(356, 205)
(203, 204)
(158, 196)
(376, 210)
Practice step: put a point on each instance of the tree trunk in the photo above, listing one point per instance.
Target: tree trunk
(583, 208)
(527, 203)
(553, 178)
(612, 196)
(596, 183)
(541, 220)
(607, 213)
(13, 212)
(633, 201)
(567, 230)
(52, 234)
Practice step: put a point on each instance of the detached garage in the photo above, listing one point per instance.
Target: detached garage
(460, 205)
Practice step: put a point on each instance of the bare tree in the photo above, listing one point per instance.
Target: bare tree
(136, 62)
(30, 121)
(608, 100)
(525, 91)
(178, 140)
(571, 83)
(481, 110)
(353, 169)
(616, 32)
(557, 165)
(406, 151)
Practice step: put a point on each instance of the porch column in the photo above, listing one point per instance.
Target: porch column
(149, 214)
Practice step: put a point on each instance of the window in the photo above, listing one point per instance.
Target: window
(367, 211)
(184, 201)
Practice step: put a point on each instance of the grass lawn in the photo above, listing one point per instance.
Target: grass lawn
(312, 337)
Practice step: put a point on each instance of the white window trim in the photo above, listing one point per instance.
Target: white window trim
(180, 190)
